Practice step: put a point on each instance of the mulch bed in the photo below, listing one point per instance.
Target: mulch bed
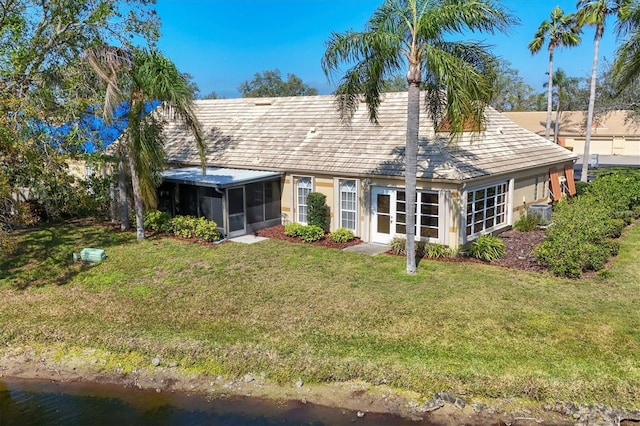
(277, 233)
(518, 247)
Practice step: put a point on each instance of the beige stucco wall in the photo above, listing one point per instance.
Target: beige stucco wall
(606, 145)
(522, 186)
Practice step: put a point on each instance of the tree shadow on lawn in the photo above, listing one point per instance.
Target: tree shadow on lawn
(44, 254)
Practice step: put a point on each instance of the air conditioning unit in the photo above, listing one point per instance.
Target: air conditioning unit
(542, 210)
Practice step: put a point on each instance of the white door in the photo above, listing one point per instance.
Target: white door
(383, 214)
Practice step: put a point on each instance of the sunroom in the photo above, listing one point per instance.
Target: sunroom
(239, 201)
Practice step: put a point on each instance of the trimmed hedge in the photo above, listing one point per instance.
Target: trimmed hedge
(580, 238)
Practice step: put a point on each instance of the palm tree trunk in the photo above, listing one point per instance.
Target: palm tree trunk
(547, 129)
(137, 199)
(410, 171)
(592, 103)
(556, 125)
(122, 192)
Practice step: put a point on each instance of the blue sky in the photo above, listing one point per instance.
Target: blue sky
(222, 43)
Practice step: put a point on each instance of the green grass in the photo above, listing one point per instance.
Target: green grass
(292, 310)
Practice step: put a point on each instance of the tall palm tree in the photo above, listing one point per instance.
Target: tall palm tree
(595, 13)
(562, 30)
(138, 76)
(564, 86)
(410, 36)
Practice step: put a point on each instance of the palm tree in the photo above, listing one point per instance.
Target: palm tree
(139, 76)
(564, 86)
(562, 31)
(595, 12)
(409, 36)
(626, 66)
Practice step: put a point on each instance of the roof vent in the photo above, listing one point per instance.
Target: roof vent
(263, 102)
(312, 130)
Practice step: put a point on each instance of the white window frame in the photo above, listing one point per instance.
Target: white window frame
(356, 204)
(470, 200)
(296, 191)
(419, 215)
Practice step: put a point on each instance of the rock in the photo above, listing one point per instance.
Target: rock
(299, 383)
(460, 403)
(360, 414)
(173, 364)
(478, 407)
(446, 397)
(248, 378)
(155, 361)
(432, 405)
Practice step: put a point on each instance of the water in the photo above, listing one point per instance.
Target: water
(29, 402)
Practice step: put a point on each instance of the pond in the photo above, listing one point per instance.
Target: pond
(29, 402)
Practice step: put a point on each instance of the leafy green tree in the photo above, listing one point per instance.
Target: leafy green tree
(410, 35)
(511, 92)
(270, 84)
(562, 30)
(595, 13)
(212, 95)
(138, 76)
(44, 83)
(397, 83)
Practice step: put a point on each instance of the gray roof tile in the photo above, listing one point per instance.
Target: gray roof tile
(305, 134)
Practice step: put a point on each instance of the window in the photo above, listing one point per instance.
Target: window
(303, 189)
(348, 204)
(427, 212)
(486, 208)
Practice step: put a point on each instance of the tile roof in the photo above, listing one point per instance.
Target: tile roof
(305, 134)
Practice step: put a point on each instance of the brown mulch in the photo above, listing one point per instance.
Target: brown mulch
(518, 249)
(277, 233)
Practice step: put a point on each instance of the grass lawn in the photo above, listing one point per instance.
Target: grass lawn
(293, 310)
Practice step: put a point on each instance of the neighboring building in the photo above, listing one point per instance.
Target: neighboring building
(267, 154)
(614, 134)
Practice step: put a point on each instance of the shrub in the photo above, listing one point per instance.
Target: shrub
(183, 226)
(437, 251)
(198, 227)
(311, 233)
(528, 222)
(488, 248)
(293, 229)
(318, 210)
(206, 230)
(157, 221)
(398, 245)
(342, 235)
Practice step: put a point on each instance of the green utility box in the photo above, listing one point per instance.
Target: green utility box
(92, 255)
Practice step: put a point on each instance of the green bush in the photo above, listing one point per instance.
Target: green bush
(317, 214)
(206, 230)
(437, 251)
(157, 221)
(311, 233)
(580, 238)
(398, 245)
(528, 222)
(183, 226)
(198, 227)
(487, 247)
(342, 235)
(293, 229)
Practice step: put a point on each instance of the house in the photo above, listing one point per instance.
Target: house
(615, 136)
(267, 154)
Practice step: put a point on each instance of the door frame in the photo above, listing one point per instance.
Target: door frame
(377, 237)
